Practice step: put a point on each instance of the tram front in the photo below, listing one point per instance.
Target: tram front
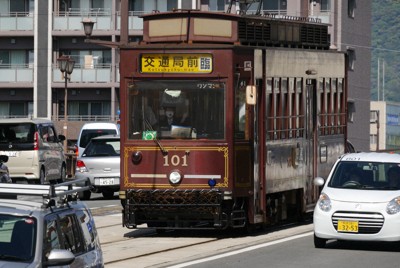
(175, 155)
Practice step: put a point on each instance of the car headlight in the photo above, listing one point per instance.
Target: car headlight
(324, 202)
(393, 206)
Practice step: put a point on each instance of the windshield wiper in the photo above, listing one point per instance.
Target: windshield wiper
(11, 258)
(149, 126)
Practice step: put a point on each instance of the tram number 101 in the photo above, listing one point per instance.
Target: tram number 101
(175, 160)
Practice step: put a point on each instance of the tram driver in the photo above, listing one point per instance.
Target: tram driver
(169, 119)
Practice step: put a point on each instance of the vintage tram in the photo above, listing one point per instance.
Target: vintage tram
(226, 119)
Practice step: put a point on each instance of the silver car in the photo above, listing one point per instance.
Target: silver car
(48, 226)
(100, 162)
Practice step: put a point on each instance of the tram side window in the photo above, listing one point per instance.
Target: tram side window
(177, 110)
(240, 113)
(285, 112)
(331, 106)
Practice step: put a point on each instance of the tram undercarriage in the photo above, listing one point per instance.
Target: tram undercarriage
(204, 209)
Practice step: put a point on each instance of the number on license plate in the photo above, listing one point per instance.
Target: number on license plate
(108, 181)
(10, 153)
(348, 226)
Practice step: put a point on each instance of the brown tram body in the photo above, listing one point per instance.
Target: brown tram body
(261, 110)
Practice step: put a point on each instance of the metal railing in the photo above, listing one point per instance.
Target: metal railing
(91, 118)
(16, 73)
(16, 21)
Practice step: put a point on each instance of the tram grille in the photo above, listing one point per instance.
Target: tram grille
(175, 197)
(368, 223)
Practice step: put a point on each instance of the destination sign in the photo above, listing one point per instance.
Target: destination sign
(176, 63)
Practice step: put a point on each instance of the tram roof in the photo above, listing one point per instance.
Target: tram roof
(193, 26)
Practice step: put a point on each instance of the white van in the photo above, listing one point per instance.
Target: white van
(91, 130)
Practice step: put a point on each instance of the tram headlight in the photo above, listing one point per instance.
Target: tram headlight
(137, 157)
(175, 177)
(324, 202)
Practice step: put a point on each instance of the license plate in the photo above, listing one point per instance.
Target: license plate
(106, 181)
(10, 153)
(348, 226)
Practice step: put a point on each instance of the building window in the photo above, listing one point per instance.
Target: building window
(96, 111)
(351, 109)
(275, 5)
(217, 5)
(373, 116)
(325, 5)
(351, 57)
(97, 4)
(351, 7)
(372, 139)
(171, 4)
(186, 4)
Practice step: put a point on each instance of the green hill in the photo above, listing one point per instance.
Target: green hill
(386, 47)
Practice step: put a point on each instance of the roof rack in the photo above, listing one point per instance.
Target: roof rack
(66, 191)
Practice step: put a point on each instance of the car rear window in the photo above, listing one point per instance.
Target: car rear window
(102, 148)
(88, 134)
(19, 135)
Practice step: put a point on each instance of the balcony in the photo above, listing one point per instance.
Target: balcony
(16, 21)
(101, 73)
(14, 73)
(72, 19)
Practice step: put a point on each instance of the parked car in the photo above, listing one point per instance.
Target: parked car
(360, 200)
(91, 130)
(34, 149)
(100, 162)
(43, 230)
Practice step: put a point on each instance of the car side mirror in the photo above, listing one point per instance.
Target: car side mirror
(318, 181)
(61, 137)
(59, 257)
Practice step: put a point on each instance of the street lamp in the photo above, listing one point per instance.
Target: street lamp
(124, 32)
(66, 65)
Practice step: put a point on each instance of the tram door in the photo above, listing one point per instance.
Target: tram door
(311, 135)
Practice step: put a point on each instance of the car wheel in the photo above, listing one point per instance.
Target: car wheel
(85, 195)
(63, 175)
(42, 178)
(319, 242)
(123, 203)
(108, 194)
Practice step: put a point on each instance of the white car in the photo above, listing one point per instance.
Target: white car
(360, 200)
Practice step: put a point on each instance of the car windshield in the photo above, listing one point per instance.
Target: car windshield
(366, 175)
(17, 238)
(187, 109)
(102, 148)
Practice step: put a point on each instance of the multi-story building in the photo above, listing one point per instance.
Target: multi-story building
(35, 33)
(385, 126)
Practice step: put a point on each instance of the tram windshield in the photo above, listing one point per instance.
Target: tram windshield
(184, 109)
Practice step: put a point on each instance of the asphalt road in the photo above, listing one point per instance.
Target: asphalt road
(286, 247)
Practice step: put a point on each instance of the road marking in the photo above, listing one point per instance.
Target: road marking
(239, 251)
(108, 206)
